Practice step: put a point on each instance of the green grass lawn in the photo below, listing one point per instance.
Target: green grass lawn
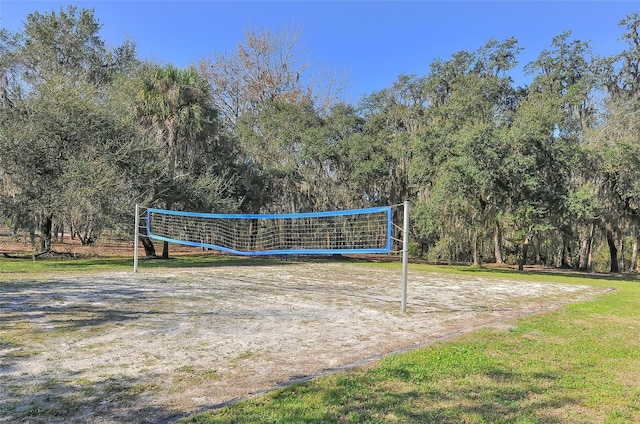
(576, 364)
(41, 268)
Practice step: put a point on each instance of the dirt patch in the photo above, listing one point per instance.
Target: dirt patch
(147, 347)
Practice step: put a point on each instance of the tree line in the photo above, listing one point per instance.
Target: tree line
(547, 173)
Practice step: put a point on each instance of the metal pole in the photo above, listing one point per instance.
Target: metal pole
(405, 256)
(135, 240)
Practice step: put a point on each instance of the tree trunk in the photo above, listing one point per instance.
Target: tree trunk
(538, 255)
(253, 234)
(165, 244)
(557, 258)
(525, 250)
(634, 253)
(56, 231)
(87, 238)
(567, 255)
(475, 250)
(585, 250)
(590, 259)
(622, 265)
(613, 251)
(149, 249)
(497, 243)
(46, 224)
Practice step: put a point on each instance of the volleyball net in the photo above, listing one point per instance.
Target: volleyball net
(335, 232)
(355, 231)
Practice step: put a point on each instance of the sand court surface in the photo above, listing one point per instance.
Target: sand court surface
(163, 343)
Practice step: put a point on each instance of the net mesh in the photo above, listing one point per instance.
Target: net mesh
(354, 231)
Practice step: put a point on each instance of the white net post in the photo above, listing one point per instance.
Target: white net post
(136, 239)
(405, 256)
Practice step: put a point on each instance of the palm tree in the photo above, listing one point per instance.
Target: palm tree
(176, 104)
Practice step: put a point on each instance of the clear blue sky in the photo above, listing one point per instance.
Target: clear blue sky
(371, 42)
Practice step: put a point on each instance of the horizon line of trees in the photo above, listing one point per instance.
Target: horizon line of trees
(548, 173)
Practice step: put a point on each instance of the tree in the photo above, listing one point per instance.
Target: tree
(267, 67)
(65, 43)
(175, 105)
(67, 156)
(558, 110)
(395, 120)
(536, 170)
(457, 160)
(56, 120)
(616, 144)
(268, 105)
(276, 140)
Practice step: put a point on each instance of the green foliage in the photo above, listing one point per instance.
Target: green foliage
(66, 152)
(66, 156)
(175, 103)
(39, 268)
(459, 161)
(546, 173)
